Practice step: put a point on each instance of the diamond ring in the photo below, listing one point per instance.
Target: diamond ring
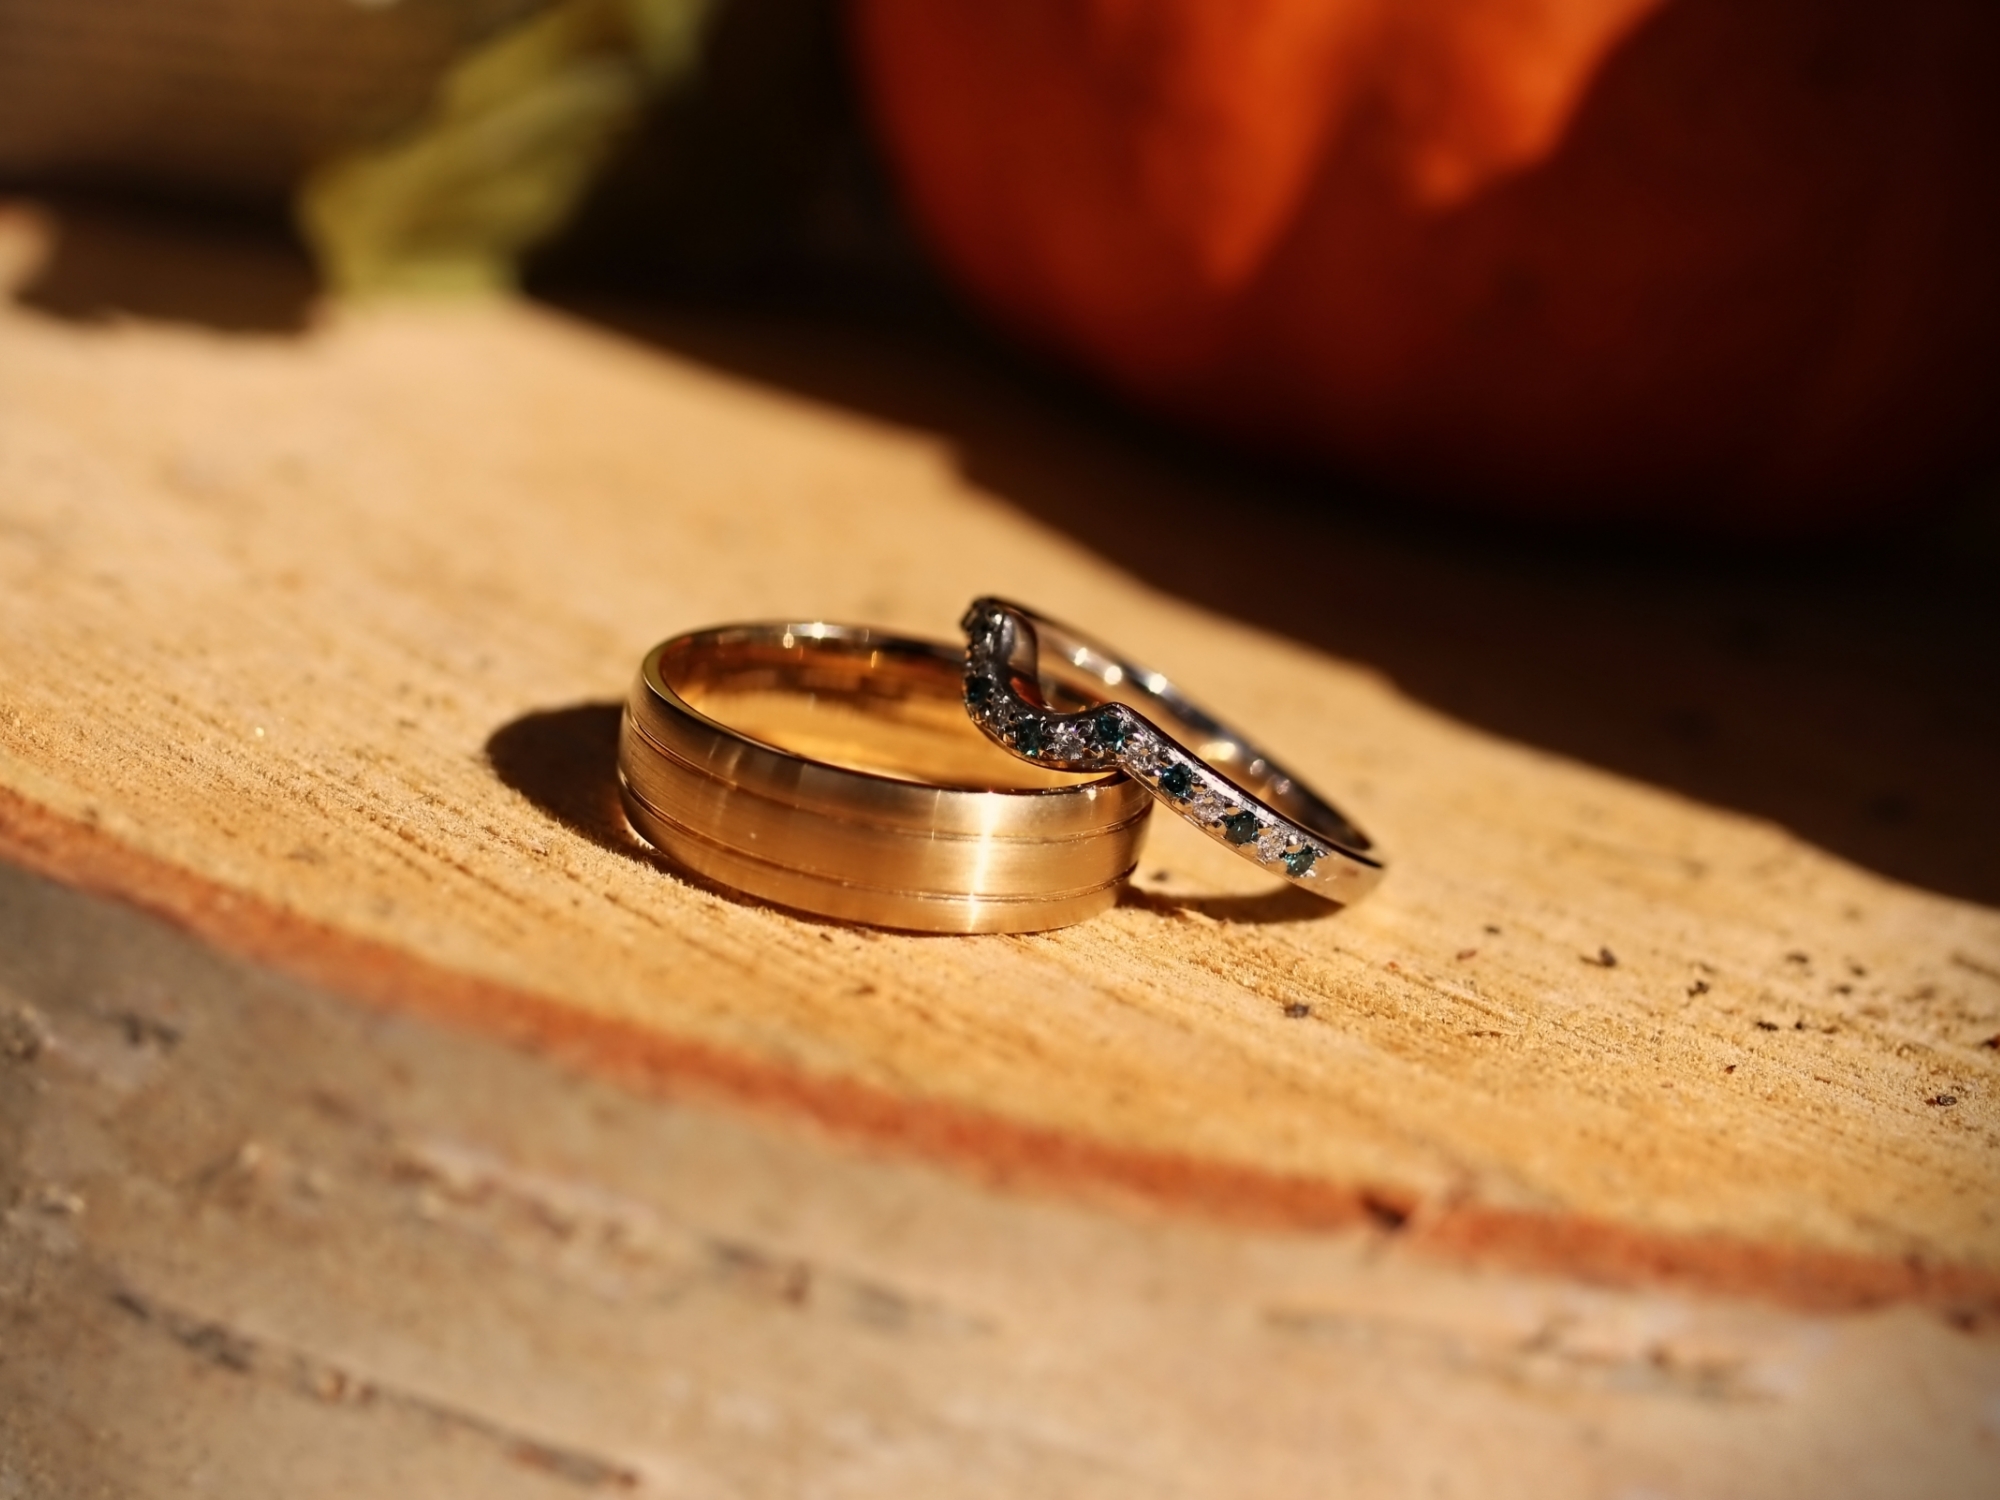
(1054, 697)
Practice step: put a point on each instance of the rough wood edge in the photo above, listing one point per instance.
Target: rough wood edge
(1000, 1151)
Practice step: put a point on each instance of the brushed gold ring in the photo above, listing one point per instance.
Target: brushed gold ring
(832, 769)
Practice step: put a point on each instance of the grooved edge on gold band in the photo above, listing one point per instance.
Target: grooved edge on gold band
(828, 896)
(830, 843)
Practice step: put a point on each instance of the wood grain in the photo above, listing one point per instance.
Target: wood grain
(311, 643)
(261, 1240)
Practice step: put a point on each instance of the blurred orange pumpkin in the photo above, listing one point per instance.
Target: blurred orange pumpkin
(1734, 261)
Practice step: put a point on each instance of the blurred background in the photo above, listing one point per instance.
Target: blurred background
(1626, 370)
(1718, 265)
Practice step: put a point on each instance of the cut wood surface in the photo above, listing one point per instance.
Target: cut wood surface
(313, 644)
(262, 1241)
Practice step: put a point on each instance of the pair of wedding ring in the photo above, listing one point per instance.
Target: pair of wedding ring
(1005, 787)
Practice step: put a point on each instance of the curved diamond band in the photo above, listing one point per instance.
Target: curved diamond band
(1054, 697)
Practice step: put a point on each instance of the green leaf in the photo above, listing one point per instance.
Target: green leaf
(514, 134)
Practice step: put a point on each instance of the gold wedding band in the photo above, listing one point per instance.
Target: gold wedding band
(833, 769)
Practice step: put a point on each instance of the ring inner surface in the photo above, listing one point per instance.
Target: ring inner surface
(885, 707)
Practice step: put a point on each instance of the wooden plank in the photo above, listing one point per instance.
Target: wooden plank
(1669, 1048)
(326, 629)
(266, 1241)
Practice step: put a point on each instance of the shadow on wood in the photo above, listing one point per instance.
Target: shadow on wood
(565, 761)
(1286, 903)
(1845, 690)
(216, 268)
(1842, 688)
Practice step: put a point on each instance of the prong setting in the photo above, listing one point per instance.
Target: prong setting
(1114, 736)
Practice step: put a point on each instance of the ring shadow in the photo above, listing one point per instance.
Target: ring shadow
(565, 762)
(1281, 904)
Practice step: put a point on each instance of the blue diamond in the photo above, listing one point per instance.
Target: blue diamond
(1240, 828)
(1300, 861)
(1177, 782)
(978, 690)
(1028, 737)
(1111, 731)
